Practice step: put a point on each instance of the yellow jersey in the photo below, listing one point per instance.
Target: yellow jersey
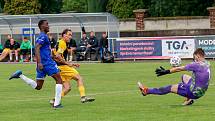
(61, 48)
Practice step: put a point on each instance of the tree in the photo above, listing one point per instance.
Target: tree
(159, 8)
(124, 8)
(179, 7)
(17, 7)
(74, 5)
(0, 8)
(50, 6)
(1, 5)
(96, 5)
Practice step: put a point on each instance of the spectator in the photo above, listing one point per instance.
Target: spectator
(52, 41)
(10, 46)
(92, 46)
(103, 43)
(82, 46)
(25, 49)
(6, 50)
(8, 37)
(71, 47)
(14, 48)
(1, 48)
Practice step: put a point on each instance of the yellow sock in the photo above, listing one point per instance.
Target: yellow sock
(81, 90)
(62, 94)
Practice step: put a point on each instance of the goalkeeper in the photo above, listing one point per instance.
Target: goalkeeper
(191, 87)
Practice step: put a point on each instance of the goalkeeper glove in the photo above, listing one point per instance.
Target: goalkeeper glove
(161, 71)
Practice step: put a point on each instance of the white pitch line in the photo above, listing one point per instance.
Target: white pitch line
(90, 94)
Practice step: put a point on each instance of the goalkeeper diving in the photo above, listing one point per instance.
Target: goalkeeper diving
(191, 87)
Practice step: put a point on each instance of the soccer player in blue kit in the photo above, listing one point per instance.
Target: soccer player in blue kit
(45, 65)
(191, 87)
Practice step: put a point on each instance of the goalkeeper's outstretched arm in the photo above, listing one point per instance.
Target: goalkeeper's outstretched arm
(177, 69)
(162, 71)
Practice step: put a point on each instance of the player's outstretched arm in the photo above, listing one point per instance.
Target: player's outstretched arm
(177, 69)
(161, 71)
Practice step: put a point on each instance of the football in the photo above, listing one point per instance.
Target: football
(175, 61)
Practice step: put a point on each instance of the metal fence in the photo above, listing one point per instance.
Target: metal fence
(26, 25)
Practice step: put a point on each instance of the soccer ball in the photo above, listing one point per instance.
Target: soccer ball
(175, 61)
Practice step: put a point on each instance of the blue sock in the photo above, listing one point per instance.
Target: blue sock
(160, 91)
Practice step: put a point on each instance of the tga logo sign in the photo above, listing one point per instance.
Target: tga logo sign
(179, 47)
(176, 45)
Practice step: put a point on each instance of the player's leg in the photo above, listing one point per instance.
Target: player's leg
(39, 84)
(158, 91)
(88, 53)
(4, 53)
(27, 55)
(11, 55)
(186, 79)
(72, 51)
(18, 74)
(96, 53)
(34, 84)
(58, 90)
(21, 57)
(16, 55)
(81, 89)
(66, 88)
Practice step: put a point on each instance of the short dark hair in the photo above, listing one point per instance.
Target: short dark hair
(199, 51)
(65, 31)
(25, 37)
(41, 22)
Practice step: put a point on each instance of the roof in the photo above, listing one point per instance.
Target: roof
(64, 19)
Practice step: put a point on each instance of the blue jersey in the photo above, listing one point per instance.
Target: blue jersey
(45, 50)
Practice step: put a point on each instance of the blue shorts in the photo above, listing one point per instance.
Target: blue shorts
(184, 89)
(49, 70)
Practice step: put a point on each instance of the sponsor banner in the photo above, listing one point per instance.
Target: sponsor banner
(28, 31)
(183, 48)
(207, 44)
(138, 48)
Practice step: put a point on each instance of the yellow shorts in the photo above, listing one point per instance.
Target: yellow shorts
(7, 50)
(67, 73)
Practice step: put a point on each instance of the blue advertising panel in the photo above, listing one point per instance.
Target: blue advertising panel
(137, 48)
(207, 43)
(27, 32)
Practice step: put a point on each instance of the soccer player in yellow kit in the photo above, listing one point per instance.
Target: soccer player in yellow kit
(67, 70)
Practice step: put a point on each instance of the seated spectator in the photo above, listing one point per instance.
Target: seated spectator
(82, 45)
(25, 50)
(10, 46)
(52, 41)
(1, 48)
(71, 47)
(5, 52)
(103, 43)
(92, 46)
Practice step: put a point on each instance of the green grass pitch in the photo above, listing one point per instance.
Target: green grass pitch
(117, 97)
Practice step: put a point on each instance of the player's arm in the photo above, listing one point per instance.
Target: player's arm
(177, 69)
(161, 71)
(59, 55)
(59, 59)
(37, 54)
